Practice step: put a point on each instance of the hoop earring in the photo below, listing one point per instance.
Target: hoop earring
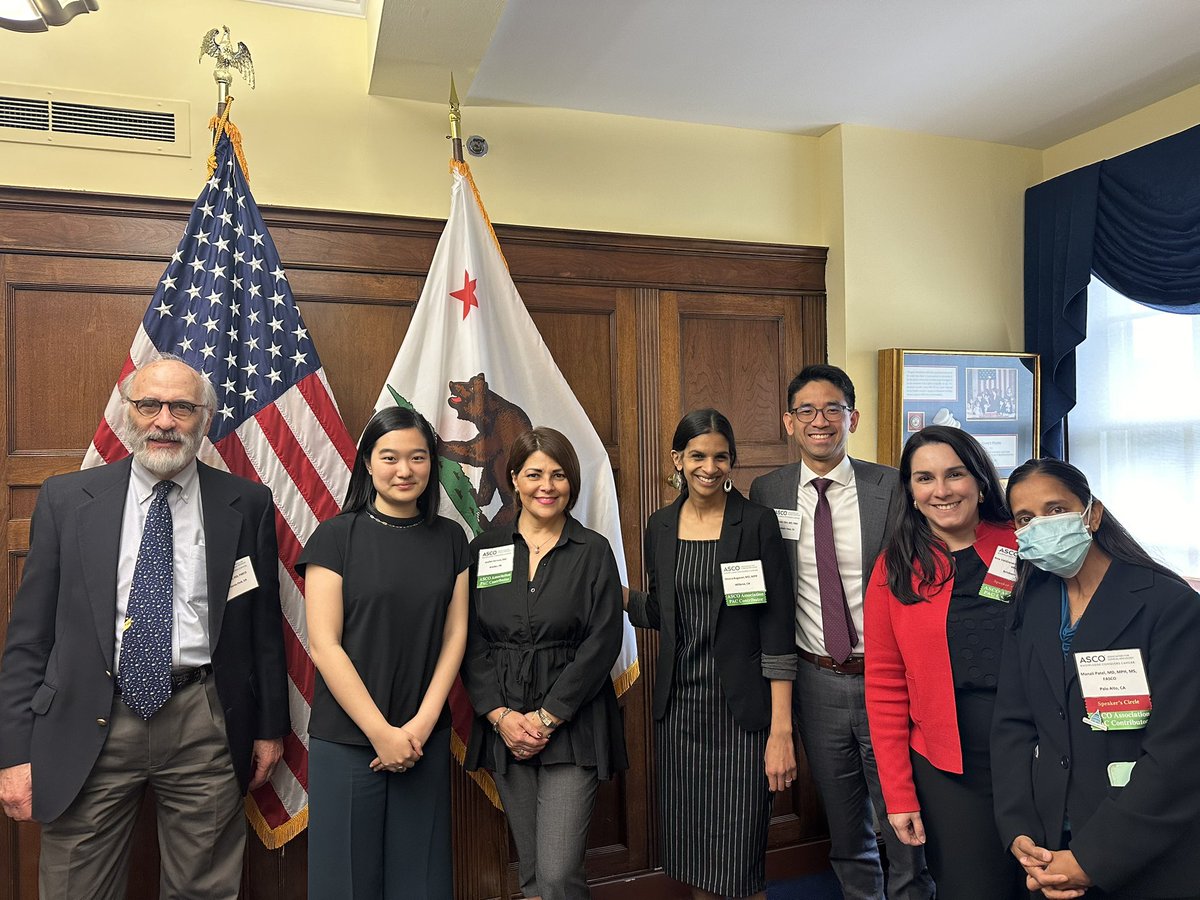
(675, 480)
(728, 485)
(981, 498)
(915, 505)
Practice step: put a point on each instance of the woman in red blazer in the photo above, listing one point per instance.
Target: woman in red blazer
(935, 611)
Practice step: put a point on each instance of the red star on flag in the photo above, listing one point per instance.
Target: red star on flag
(467, 293)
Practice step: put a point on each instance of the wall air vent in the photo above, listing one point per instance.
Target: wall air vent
(37, 115)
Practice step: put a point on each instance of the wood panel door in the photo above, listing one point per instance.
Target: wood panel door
(641, 327)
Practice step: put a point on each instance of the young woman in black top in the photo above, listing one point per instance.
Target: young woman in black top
(386, 595)
(545, 630)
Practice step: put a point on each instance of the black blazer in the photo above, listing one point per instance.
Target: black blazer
(751, 643)
(1134, 841)
(56, 683)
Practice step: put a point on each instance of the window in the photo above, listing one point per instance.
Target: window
(1136, 429)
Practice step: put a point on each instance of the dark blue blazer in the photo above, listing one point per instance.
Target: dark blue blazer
(1136, 841)
(56, 679)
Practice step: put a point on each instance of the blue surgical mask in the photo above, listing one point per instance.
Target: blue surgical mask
(1056, 544)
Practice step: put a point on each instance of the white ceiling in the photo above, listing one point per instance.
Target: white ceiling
(1025, 72)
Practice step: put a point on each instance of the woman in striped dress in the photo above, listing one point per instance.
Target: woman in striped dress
(720, 595)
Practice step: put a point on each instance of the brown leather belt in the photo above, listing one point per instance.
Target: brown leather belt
(852, 666)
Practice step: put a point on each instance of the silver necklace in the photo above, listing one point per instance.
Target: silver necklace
(537, 548)
(389, 524)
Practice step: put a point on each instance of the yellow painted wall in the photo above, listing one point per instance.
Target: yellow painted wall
(314, 138)
(1158, 120)
(924, 232)
(932, 229)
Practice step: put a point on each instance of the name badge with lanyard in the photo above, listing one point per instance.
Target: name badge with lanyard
(744, 583)
(1001, 576)
(1116, 694)
(494, 566)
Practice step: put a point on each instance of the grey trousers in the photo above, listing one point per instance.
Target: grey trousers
(831, 716)
(549, 809)
(181, 753)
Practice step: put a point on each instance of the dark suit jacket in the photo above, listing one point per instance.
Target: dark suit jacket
(1134, 841)
(875, 485)
(750, 643)
(56, 681)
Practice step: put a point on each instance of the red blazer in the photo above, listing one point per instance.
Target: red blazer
(909, 681)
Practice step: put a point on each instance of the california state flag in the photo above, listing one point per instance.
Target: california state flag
(475, 366)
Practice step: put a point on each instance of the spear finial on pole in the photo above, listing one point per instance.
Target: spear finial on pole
(455, 123)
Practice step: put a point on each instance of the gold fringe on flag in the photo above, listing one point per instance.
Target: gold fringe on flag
(463, 169)
(274, 838)
(221, 124)
(479, 776)
(625, 680)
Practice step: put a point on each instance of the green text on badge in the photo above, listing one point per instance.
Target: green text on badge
(744, 583)
(494, 566)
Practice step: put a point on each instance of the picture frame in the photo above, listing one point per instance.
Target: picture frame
(991, 395)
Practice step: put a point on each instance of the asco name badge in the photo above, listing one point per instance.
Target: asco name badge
(495, 566)
(1001, 576)
(1115, 693)
(744, 583)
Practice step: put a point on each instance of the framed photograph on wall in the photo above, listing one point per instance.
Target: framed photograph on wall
(992, 396)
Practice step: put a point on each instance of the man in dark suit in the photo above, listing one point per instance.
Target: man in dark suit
(833, 513)
(145, 649)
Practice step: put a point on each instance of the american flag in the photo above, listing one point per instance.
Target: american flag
(224, 305)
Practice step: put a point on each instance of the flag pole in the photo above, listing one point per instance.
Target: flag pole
(455, 136)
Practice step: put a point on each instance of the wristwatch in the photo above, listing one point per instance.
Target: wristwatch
(544, 718)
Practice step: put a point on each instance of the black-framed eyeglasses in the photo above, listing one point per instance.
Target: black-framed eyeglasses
(180, 409)
(832, 413)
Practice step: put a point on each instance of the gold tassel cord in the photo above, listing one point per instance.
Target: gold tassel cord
(465, 171)
(479, 776)
(221, 124)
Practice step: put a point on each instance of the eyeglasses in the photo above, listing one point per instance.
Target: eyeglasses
(180, 409)
(832, 413)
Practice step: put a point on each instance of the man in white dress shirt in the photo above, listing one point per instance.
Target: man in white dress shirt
(833, 511)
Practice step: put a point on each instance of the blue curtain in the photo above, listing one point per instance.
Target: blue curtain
(1133, 221)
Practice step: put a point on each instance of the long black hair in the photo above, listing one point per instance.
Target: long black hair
(911, 547)
(696, 423)
(1110, 535)
(361, 491)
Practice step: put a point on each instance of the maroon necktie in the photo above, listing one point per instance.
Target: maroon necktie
(840, 634)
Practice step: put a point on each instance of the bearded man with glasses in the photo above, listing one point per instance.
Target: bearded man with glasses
(833, 512)
(145, 650)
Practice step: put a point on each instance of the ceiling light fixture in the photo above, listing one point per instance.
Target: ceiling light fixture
(39, 15)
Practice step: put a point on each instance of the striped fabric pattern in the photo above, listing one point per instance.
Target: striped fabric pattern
(225, 306)
(714, 802)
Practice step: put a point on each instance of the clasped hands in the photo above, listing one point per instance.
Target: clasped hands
(523, 733)
(1056, 873)
(398, 748)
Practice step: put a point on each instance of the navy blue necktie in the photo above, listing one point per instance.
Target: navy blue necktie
(144, 675)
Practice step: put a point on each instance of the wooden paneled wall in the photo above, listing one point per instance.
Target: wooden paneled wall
(643, 328)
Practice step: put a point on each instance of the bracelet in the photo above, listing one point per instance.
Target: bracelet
(500, 718)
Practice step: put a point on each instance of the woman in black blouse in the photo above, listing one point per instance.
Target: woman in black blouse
(386, 596)
(545, 629)
(721, 596)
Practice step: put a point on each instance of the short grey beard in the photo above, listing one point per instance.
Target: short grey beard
(163, 463)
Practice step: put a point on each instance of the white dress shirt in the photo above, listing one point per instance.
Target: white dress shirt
(847, 537)
(189, 624)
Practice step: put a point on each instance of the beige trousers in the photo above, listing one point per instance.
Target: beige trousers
(183, 755)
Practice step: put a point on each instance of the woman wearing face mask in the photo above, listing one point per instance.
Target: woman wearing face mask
(934, 616)
(1095, 785)
(720, 594)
